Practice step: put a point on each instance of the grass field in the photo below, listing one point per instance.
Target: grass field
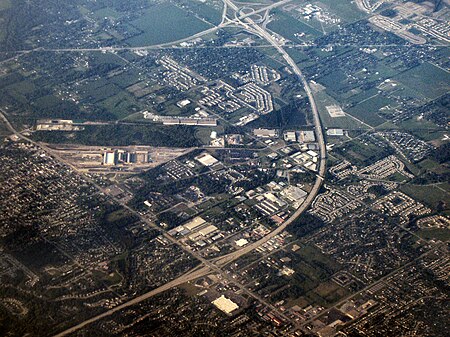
(346, 10)
(121, 105)
(323, 100)
(297, 55)
(287, 26)
(426, 79)
(330, 292)
(316, 268)
(433, 166)
(358, 95)
(126, 78)
(165, 23)
(360, 153)
(106, 13)
(423, 129)
(367, 110)
(428, 194)
(334, 81)
(442, 234)
(203, 134)
(206, 12)
(24, 87)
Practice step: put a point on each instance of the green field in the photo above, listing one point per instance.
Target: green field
(121, 105)
(164, 23)
(323, 100)
(334, 81)
(426, 79)
(206, 12)
(317, 268)
(442, 234)
(346, 10)
(430, 195)
(367, 110)
(362, 154)
(106, 13)
(126, 78)
(297, 55)
(287, 26)
(423, 129)
(433, 166)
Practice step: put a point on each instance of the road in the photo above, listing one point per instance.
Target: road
(217, 264)
(367, 287)
(183, 279)
(207, 266)
(224, 23)
(254, 28)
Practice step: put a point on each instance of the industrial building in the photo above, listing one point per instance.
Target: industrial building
(110, 158)
(114, 157)
(265, 133)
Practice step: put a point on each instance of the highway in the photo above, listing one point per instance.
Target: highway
(206, 266)
(215, 265)
(254, 28)
(174, 283)
(224, 23)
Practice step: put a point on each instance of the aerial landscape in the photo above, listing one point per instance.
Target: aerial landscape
(225, 168)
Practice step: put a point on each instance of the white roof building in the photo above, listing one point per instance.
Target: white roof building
(225, 304)
(241, 242)
(265, 133)
(335, 132)
(206, 159)
(197, 221)
(290, 136)
(207, 230)
(183, 103)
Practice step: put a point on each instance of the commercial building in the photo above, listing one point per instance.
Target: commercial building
(206, 159)
(290, 136)
(225, 304)
(306, 136)
(197, 221)
(265, 133)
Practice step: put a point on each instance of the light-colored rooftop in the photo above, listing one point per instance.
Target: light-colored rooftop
(197, 221)
(225, 304)
(206, 159)
(241, 242)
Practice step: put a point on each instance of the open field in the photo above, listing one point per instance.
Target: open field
(323, 100)
(287, 26)
(206, 12)
(442, 234)
(157, 19)
(423, 129)
(427, 79)
(429, 194)
(367, 110)
(5, 4)
(346, 10)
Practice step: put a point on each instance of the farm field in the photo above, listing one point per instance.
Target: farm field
(155, 21)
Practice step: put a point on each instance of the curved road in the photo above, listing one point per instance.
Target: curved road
(252, 27)
(216, 264)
